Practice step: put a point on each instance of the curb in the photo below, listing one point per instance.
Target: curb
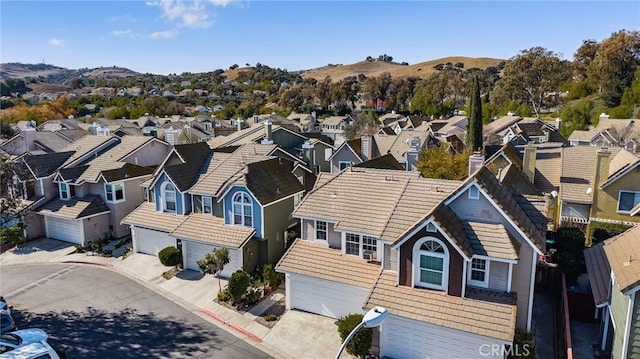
(108, 265)
(231, 325)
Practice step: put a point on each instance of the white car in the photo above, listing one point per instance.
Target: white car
(35, 350)
(19, 338)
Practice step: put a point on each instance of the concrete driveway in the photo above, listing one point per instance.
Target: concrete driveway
(302, 332)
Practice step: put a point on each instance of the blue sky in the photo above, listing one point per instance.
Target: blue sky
(173, 36)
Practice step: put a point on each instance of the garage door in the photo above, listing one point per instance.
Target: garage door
(328, 298)
(195, 251)
(407, 338)
(150, 241)
(67, 230)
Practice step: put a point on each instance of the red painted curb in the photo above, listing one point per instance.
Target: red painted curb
(227, 323)
(88, 262)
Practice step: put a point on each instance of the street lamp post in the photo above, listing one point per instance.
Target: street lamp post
(373, 318)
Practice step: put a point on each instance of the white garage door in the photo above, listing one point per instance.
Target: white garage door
(194, 251)
(150, 241)
(406, 338)
(328, 298)
(67, 230)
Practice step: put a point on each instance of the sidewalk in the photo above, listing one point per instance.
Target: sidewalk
(315, 335)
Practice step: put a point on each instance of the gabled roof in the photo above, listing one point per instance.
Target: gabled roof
(599, 272)
(145, 215)
(485, 318)
(73, 134)
(75, 208)
(210, 229)
(491, 240)
(517, 180)
(499, 124)
(127, 171)
(186, 173)
(85, 145)
(271, 179)
(317, 260)
(50, 142)
(47, 164)
(623, 253)
(578, 172)
(386, 162)
(621, 164)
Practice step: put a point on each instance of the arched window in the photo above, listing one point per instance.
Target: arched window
(242, 210)
(430, 264)
(169, 197)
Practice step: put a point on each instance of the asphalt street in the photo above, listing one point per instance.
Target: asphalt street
(93, 312)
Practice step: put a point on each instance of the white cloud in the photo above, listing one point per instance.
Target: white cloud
(169, 34)
(56, 42)
(193, 14)
(122, 32)
(222, 3)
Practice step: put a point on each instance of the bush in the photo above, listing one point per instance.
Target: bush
(170, 256)
(79, 248)
(598, 232)
(272, 277)
(270, 317)
(238, 284)
(569, 255)
(224, 296)
(253, 296)
(361, 342)
(525, 347)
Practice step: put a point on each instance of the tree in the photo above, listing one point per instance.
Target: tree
(12, 235)
(238, 284)
(323, 92)
(529, 76)
(474, 127)
(615, 64)
(569, 255)
(360, 343)
(214, 262)
(437, 162)
(170, 256)
(377, 88)
(365, 122)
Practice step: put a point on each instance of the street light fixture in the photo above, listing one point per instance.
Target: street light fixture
(373, 318)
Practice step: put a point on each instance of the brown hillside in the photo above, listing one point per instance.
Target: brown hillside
(111, 72)
(231, 75)
(42, 87)
(376, 68)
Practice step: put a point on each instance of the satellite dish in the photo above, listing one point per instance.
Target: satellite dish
(554, 194)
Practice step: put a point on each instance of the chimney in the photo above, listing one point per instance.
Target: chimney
(365, 146)
(307, 153)
(239, 122)
(604, 116)
(558, 123)
(476, 161)
(29, 137)
(267, 140)
(93, 128)
(602, 167)
(313, 114)
(529, 162)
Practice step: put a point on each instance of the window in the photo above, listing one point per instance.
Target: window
(321, 231)
(114, 192)
(478, 276)
(65, 191)
(343, 164)
(169, 196)
(352, 244)
(627, 200)
(474, 193)
(431, 227)
(207, 206)
(242, 210)
(431, 264)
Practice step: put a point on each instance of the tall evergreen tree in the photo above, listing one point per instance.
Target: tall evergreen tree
(474, 127)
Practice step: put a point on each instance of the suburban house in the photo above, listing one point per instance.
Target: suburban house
(521, 131)
(623, 133)
(453, 262)
(96, 184)
(33, 140)
(200, 200)
(334, 126)
(405, 147)
(614, 275)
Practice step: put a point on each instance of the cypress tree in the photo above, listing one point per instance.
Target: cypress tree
(474, 127)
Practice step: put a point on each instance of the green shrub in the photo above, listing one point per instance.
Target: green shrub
(569, 255)
(270, 317)
(170, 256)
(253, 296)
(361, 342)
(224, 296)
(599, 231)
(524, 346)
(272, 277)
(238, 284)
(79, 248)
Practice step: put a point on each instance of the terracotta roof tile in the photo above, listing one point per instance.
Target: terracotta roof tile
(491, 240)
(495, 320)
(317, 260)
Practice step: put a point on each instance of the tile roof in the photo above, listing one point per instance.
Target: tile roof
(578, 172)
(246, 135)
(271, 179)
(85, 145)
(145, 215)
(599, 272)
(401, 197)
(207, 228)
(318, 260)
(128, 170)
(51, 141)
(400, 144)
(73, 134)
(383, 162)
(548, 167)
(490, 319)
(491, 240)
(75, 208)
(333, 120)
(499, 124)
(623, 253)
(517, 180)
